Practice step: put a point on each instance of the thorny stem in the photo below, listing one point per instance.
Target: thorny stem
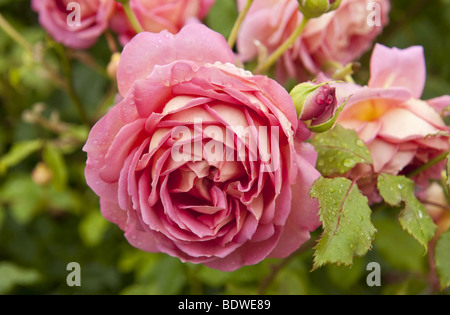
(264, 67)
(234, 33)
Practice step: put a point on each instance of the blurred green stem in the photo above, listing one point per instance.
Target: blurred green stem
(234, 33)
(266, 65)
(131, 16)
(20, 40)
(67, 68)
(14, 34)
(429, 165)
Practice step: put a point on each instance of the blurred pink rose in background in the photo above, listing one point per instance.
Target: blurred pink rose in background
(94, 20)
(157, 15)
(226, 210)
(339, 36)
(401, 131)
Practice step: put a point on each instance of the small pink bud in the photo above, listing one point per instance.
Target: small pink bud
(315, 103)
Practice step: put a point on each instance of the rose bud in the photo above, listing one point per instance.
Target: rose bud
(41, 175)
(316, 104)
(113, 65)
(315, 8)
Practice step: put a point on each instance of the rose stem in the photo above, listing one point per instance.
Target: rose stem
(131, 16)
(67, 68)
(429, 165)
(234, 33)
(283, 48)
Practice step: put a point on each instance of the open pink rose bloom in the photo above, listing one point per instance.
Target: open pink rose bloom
(401, 131)
(157, 15)
(202, 160)
(93, 20)
(340, 36)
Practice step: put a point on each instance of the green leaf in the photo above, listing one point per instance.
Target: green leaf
(12, 275)
(442, 259)
(13, 191)
(346, 218)
(222, 16)
(19, 152)
(405, 253)
(57, 165)
(92, 228)
(398, 190)
(346, 277)
(340, 150)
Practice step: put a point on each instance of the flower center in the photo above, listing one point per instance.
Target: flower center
(369, 110)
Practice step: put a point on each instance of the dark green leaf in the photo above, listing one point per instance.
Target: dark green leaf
(396, 246)
(19, 152)
(12, 275)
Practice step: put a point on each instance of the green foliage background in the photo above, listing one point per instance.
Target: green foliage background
(43, 228)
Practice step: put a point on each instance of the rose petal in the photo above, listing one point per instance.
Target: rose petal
(392, 67)
(146, 50)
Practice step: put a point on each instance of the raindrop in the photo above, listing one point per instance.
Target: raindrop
(400, 186)
(360, 143)
(349, 163)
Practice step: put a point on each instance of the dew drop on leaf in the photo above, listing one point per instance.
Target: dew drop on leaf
(349, 163)
(360, 143)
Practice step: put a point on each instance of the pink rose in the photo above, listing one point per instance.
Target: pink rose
(157, 15)
(401, 131)
(59, 19)
(341, 36)
(202, 160)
